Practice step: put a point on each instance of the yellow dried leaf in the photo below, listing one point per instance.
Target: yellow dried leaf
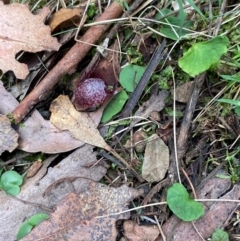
(65, 17)
(65, 117)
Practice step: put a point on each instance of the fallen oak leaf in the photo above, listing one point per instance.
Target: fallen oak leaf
(65, 117)
(21, 30)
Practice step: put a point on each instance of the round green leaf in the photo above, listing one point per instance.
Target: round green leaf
(130, 76)
(24, 230)
(11, 189)
(37, 218)
(12, 177)
(10, 182)
(220, 235)
(182, 205)
(33, 221)
(201, 56)
(115, 106)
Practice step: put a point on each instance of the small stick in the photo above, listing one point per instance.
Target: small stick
(38, 205)
(132, 101)
(188, 114)
(128, 166)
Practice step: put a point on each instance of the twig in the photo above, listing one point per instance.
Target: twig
(188, 114)
(110, 158)
(132, 101)
(160, 228)
(39, 205)
(68, 63)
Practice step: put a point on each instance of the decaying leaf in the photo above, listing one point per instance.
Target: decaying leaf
(156, 159)
(65, 117)
(8, 136)
(76, 216)
(183, 92)
(156, 103)
(13, 212)
(65, 17)
(22, 31)
(39, 135)
(135, 232)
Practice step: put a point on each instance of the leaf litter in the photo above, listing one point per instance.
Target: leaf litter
(76, 216)
(67, 184)
(13, 211)
(18, 32)
(8, 136)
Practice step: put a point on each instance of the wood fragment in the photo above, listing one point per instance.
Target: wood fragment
(132, 101)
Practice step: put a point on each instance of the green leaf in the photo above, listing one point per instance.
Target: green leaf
(12, 177)
(24, 230)
(201, 56)
(182, 205)
(193, 5)
(231, 78)
(11, 189)
(173, 28)
(114, 106)
(181, 15)
(130, 76)
(229, 101)
(220, 235)
(237, 111)
(10, 182)
(33, 221)
(37, 218)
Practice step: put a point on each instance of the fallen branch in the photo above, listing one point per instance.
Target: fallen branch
(68, 63)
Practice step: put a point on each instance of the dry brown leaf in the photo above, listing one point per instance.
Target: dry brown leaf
(216, 213)
(156, 103)
(37, 134)
(65, 117)
(156, 159)
(75, 217)
(8, 136)
(13, 212)
(65, 17)
(134, 232)
(183, 92)
(21, 30)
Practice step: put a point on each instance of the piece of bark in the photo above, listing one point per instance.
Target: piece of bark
(68, 63)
